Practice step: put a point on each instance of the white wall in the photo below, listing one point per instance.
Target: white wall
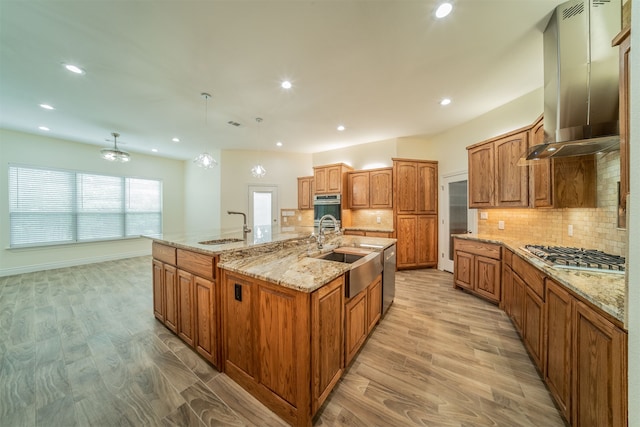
(449, 148)
(202, 196)
(28, 149)
(633, 262)
(282, 172)
(364, 156)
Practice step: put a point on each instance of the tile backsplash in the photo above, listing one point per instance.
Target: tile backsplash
(369, 218)
(593, 228)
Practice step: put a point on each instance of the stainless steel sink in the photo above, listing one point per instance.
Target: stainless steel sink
(219, 241)
(364, 268)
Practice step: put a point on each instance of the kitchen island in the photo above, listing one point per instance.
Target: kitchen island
(271, 315)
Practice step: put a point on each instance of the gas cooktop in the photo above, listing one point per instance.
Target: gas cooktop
(579, 259)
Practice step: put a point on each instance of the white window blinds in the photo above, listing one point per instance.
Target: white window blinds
(57, 206)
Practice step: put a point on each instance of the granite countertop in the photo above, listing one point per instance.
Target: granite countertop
(286, 259)
(377, 229)
(604, 290)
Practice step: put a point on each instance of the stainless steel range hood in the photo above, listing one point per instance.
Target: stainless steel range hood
(580, 80)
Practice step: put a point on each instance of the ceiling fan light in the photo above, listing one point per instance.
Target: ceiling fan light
(115, 154)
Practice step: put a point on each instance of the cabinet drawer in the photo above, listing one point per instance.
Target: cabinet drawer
(533, 277)
(199, 264)
(488, 250)
(164, 253)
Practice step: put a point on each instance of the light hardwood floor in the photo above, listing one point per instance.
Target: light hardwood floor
(80, 347)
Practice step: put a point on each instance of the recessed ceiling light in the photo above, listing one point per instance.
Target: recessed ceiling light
(279, 144)
(445, 101)
(286, 84)
(47, 107)
(176, 139)
(155, 150)
(74, 68)
(443, 10)
(341, 128)
(43, 128)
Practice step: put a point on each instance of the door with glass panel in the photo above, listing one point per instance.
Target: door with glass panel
(263, 211)
(456, 216)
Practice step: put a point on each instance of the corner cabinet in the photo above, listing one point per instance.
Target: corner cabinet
(305, 192)
(415, 212)
(478, 268)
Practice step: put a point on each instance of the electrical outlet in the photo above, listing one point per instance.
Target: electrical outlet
(500, 225)
(299, 217)
(570, 230)
(484, 215)
(284, 219)
(378, 219)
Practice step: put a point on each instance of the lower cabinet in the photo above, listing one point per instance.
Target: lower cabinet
(417, 241)
(478, 268)
(362, 313)
(374, 303)
(206, 319)
(186, 313)
(170, 292)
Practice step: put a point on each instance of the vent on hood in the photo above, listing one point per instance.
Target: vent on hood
(580, 80)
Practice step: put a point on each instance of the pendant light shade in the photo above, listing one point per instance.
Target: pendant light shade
(115, 154)
(258, 171)
(205, 160)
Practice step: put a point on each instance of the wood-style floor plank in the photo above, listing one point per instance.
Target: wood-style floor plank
(79, 346)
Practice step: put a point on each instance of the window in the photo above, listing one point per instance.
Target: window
(58, 206)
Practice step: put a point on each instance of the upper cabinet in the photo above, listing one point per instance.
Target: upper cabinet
(370, 189)
(305, 192)
(541, 172)
(330, 179)
(624, 41)
(415, 186)
(495, 179)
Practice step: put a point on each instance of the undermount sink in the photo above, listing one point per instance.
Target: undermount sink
(365, 267)
(219, 241)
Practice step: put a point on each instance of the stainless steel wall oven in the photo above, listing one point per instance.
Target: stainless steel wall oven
(326, 204)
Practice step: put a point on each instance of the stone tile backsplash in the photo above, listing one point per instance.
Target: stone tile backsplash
(593, 228)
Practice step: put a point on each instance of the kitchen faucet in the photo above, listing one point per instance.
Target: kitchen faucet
(320, 238)
(245, 228)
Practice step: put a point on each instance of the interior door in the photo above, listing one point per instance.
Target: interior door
(456, 217)
(263, 211)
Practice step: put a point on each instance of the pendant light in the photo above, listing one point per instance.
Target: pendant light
(258, 171)
(205, 160)
(115, 154)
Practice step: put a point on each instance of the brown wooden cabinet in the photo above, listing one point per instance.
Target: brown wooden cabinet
(186, 309)
(495, 179)
(370, 189)
(170, 292)
(356, 327)
(558, 315)
(415, 208)
(206, 319)
(158, 290)
(478, 267)
(599, 380)
(305, 192)
(374, 303)
(330, 179)
(541, 172)
(367, 233)
(327, 320)
(624, 41)
(513, 290)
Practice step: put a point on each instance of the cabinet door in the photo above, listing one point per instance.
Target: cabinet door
(320, 180)
(426, 240)
(487, 277)
(625, 51)
(540, 172)
(405, 187)
(599, 371)
(507, 290)
(575, 182)
(239, 337)
(355, 325)
(359, 190)
(534, 326)
(158, 286)
(305, 197)
(327, 352)
(481, 176)
(558, 311)
(374, 303)
(186, 311)
(512, 181)
(517, 303)
(406, 233)
(334, 179)
(380, 189)
(463, 269)
(206, 319)
(427, 188)
(171, 297)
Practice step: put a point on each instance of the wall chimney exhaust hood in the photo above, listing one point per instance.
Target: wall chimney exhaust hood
(580, 80)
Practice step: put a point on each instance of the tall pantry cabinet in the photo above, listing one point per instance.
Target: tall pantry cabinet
(415, 212)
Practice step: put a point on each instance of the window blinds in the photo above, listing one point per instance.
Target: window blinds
(58, 206)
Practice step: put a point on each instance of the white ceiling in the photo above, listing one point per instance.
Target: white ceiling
(378, 67)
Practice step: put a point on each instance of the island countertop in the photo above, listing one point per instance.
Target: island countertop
(604, 290)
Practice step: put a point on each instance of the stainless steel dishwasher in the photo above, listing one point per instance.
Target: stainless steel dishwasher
(388, 278)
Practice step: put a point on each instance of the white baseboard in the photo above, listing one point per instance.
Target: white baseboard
(71, 263)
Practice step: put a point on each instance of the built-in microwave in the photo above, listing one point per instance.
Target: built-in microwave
(326, 204)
